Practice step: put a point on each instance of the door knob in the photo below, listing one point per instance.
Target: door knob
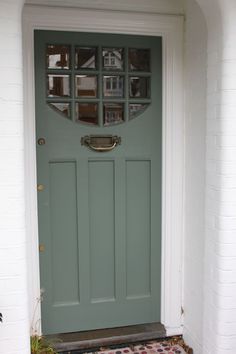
(41, 141)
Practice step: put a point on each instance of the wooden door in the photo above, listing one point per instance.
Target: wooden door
(99, 212)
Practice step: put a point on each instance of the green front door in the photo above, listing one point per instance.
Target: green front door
(99, 212)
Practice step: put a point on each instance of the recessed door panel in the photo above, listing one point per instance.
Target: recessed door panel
(102, 230)
(138, 232)
(63, 220)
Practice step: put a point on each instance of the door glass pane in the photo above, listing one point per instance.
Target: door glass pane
(85, 86)
(58, 57)
(136, 108)
(113, 58)
(139, 59)
(113, 86)
(113, 113)
(85, 58)
(58, 85)
(139, 87)
(61, 107)
(87, 113)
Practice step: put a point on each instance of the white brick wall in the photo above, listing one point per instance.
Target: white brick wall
(219, 320)
(14, 331)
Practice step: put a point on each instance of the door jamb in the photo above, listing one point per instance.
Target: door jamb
(170, 28)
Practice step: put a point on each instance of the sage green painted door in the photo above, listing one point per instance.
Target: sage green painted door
(99, 212)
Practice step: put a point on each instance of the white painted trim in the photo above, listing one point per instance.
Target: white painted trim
(171, 30)
(174, 7)
(174, 331)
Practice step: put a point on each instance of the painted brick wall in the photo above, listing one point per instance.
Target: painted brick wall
(219, 320)
(14, 331)
(195, 131)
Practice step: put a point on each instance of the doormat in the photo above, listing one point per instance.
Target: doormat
(148, 348)
(174, 345)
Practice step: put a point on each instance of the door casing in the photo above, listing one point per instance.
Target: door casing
(170, 28)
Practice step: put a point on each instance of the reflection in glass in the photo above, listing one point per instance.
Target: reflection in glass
(86, 86)
(113, 58)
(139, 87)
(139, 59)
(58, 57)
(136, 108)
(58, 86)
(61, 107)
(87, 113)
(113, 86)
(113, 113)
(85, 58)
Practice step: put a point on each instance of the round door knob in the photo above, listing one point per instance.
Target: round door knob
(41, 141)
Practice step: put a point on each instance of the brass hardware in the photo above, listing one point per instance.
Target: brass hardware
(41, 141)
(101, 143)
(40, 187)
(41, 248)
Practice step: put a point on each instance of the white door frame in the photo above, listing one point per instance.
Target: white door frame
(170, 28)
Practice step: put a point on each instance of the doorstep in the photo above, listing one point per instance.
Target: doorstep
(106, 337)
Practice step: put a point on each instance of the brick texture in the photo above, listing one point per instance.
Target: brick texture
(219, 320)
(14, 330)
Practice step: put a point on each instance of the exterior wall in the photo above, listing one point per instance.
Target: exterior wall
(14, 331)
(219, 320)
(195, 130)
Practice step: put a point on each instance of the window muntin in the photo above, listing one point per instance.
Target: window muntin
(98, 86)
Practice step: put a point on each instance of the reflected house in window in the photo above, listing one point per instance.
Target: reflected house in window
(139, 59)
(58, 85)
(112, 58)
(136, 108)
(86, 58)
(87, 113)
(62, 107)
(113, 86)
(113, 113)
(139, 87)
(86, 86)
(58, 57)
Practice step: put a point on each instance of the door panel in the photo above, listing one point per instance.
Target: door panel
(102, 233)
(63, 193)
(138, 236)
(99, 213)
